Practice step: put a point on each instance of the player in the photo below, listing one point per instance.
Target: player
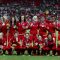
(1, 42)
(35, 45)
(34, 25)
(18, 44)
(13, 25)
(28, 43)
(7, 43)
(40, 44)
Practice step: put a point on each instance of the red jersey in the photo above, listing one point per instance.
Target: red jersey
(33, 28)
(51, 27)
(28, 42)
(21, 27)
(7, 40)
(42, 29)
(19, 42)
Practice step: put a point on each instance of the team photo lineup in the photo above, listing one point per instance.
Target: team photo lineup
(35, 34)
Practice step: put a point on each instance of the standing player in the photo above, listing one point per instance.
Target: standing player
(22, 26)
(4, 27)
(42, 27)
(12, 25)
(34, 26)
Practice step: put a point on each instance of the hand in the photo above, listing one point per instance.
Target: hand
(14, 45)
(4, 43)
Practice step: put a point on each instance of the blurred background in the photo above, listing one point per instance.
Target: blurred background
(12, 7)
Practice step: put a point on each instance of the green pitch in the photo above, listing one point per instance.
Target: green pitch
(15, 57)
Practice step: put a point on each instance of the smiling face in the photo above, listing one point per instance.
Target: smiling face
(22, 18)
(27, 36)
(49, 36)
(39, 38)
(53, 19)
(42, 19)
(35, 18)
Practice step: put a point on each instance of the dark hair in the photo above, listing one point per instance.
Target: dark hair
(20, 19)
(49, 33)
(11, 21)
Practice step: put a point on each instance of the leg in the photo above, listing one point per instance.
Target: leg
(22, 51)
(38, 52)
(34, 51)
(18, 51)
(43, 52)
(29, 51)
(4, 51)
(10, 51)
(53, 52)
(0, 50)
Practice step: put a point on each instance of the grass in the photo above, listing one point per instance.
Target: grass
(15, 57)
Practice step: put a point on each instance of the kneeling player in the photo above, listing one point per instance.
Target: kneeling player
(18, 44)
(40, 45)
(28, 43)
(49, 44)
(7, 44)
(34, 44)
